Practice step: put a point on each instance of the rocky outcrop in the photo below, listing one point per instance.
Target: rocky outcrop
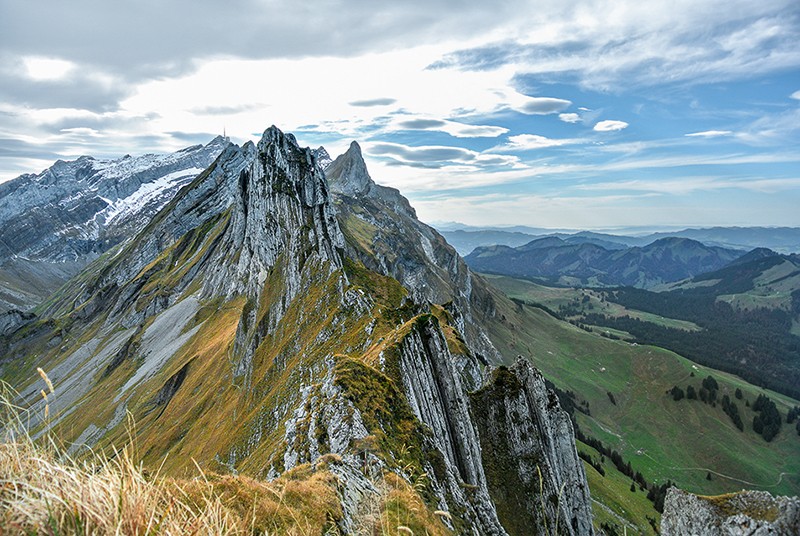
(534, 475)
(13, 319)
(508, 443)
(747, 513)
(435, 388)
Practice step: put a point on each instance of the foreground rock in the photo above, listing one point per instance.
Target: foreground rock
(745, 513)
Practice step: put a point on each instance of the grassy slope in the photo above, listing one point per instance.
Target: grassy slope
(211, 421)
(553, 298)
(614, 502)
(663, 439)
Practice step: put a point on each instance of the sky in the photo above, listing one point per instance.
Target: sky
(577, 114)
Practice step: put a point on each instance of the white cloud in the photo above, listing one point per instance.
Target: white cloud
(610, 125)
(454, 128)
(709, 134)
(437, 155)
(524, 142)
(570, 118)
(796, 95)
(690, 185)
(40, 69)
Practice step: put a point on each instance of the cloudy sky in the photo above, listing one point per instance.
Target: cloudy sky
(561, 114)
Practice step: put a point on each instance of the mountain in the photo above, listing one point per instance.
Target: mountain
(781, 239)
(54, 223)
(268, 322)
(588, 264)
(466, 241)
(746, 512)
(384, 233)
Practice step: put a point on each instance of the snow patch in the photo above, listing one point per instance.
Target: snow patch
(146, 193)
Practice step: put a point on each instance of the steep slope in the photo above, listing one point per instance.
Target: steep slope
(242, 332)
(384, 233)
(54, 223)
(588, 264)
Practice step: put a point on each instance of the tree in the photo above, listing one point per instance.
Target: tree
(708, 475)
(691, 394)
(738, 393)
(633, 487)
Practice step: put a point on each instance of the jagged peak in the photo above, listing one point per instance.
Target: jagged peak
(323, 157)
(348, 174)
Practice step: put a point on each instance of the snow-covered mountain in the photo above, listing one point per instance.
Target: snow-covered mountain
(53, 223)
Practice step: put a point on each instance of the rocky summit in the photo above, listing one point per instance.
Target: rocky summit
(279, 320)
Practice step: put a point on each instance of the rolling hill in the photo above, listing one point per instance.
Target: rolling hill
(554, 260)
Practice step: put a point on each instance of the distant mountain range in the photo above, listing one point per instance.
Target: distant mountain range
(779, 239)
(599, 263)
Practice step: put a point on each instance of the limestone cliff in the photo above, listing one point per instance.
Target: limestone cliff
(535, 477)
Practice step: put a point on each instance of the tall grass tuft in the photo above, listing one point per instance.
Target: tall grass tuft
(43, 491)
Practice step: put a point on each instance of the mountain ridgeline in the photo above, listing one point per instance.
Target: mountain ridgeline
(555, 260)
(54, 223)
(271, 320)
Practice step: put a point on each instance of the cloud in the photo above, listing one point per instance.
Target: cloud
(226, 110)
(570, 118)
(38, 68)
(454, 128)
(524, 142)
(610, 125)
(709, 134)
(421, 124)
(795, 95)
(144, 41)
(623, 44)
(542, 105)
(437, 155)
(690, 185)
(366, 103)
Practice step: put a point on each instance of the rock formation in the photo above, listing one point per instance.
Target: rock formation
(747, 513)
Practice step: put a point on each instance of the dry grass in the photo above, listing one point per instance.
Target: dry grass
(42, 491)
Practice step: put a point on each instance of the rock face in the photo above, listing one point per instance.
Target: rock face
(509, 442)
(528, 449)
(298, 324)
(745, 513)
(383, 231)
(54, 223)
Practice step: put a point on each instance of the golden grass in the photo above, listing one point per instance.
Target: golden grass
(43, 491)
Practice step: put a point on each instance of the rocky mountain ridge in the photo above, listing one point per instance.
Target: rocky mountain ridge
(54, 223)
(266, 305)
